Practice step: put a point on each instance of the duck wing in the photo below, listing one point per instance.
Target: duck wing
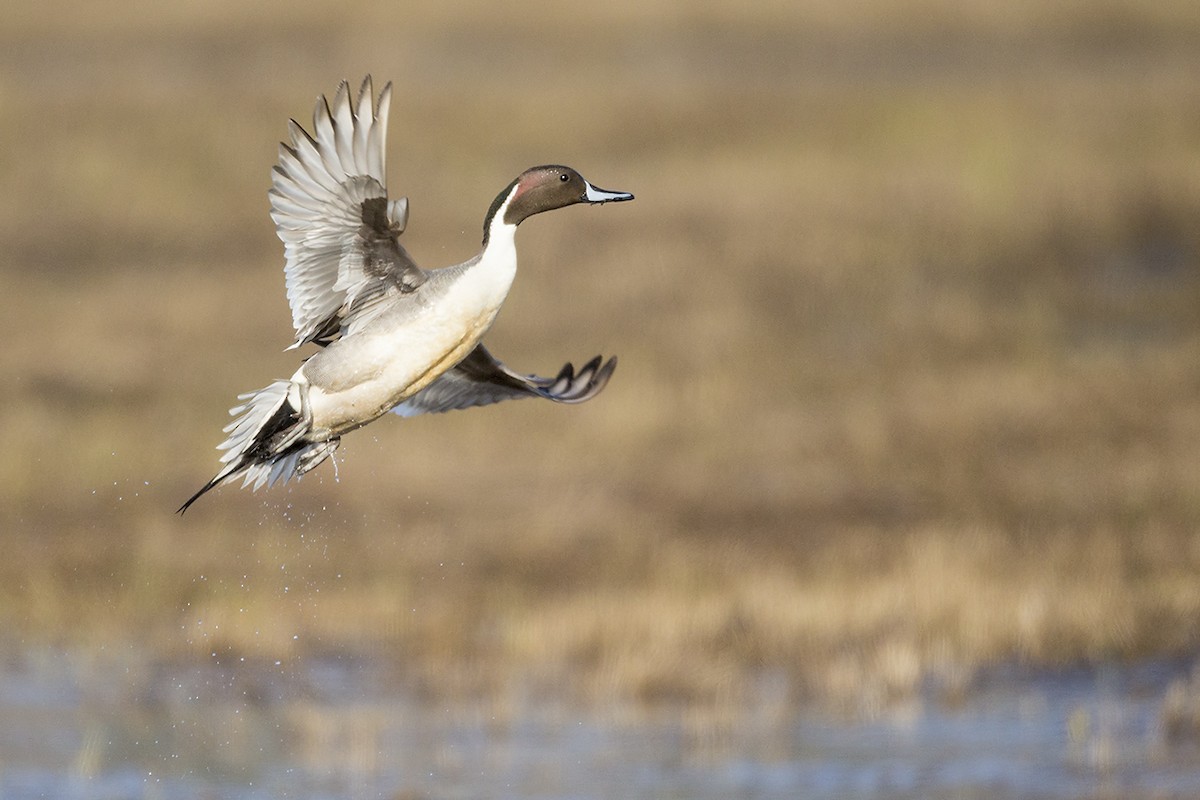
(331, 210)
(480, 380)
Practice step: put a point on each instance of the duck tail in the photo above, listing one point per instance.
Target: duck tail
(266, 440)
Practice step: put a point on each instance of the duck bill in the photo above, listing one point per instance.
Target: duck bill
(594, 195)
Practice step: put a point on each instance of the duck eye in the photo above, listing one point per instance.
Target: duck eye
(562, 176)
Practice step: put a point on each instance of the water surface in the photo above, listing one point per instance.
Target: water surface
(111, 727)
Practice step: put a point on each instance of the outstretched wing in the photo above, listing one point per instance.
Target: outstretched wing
(480, 380)
(340, 233)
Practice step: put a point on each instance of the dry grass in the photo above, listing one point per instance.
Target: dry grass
(906, 311)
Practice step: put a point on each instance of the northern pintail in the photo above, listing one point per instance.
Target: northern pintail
(393, 337)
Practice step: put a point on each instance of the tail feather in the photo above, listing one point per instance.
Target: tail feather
(265, 444)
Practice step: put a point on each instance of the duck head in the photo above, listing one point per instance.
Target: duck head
(545, 188)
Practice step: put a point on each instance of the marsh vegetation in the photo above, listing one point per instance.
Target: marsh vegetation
(907, 313)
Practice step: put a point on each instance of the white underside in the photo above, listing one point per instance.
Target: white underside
(390, 361)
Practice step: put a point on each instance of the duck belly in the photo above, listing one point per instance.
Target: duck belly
(360, 378)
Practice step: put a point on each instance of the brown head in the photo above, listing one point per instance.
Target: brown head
(545, 188)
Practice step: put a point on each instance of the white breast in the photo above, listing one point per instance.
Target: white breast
(393, 363)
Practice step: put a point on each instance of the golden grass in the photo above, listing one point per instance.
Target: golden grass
(910, 362)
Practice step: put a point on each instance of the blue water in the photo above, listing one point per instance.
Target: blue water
(112, 727)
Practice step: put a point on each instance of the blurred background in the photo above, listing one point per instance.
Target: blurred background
(898, 468)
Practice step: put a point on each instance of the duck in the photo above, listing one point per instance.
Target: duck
(391, 337)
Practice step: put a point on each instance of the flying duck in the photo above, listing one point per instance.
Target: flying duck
(393, 336)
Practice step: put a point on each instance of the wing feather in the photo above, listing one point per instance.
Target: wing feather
(376, 150)
(329, 203)
(361, 133)
(480, 380)
(325, 136)
(343, 123)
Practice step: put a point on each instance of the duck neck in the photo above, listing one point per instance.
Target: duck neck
(499, 257)
(496, 212)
